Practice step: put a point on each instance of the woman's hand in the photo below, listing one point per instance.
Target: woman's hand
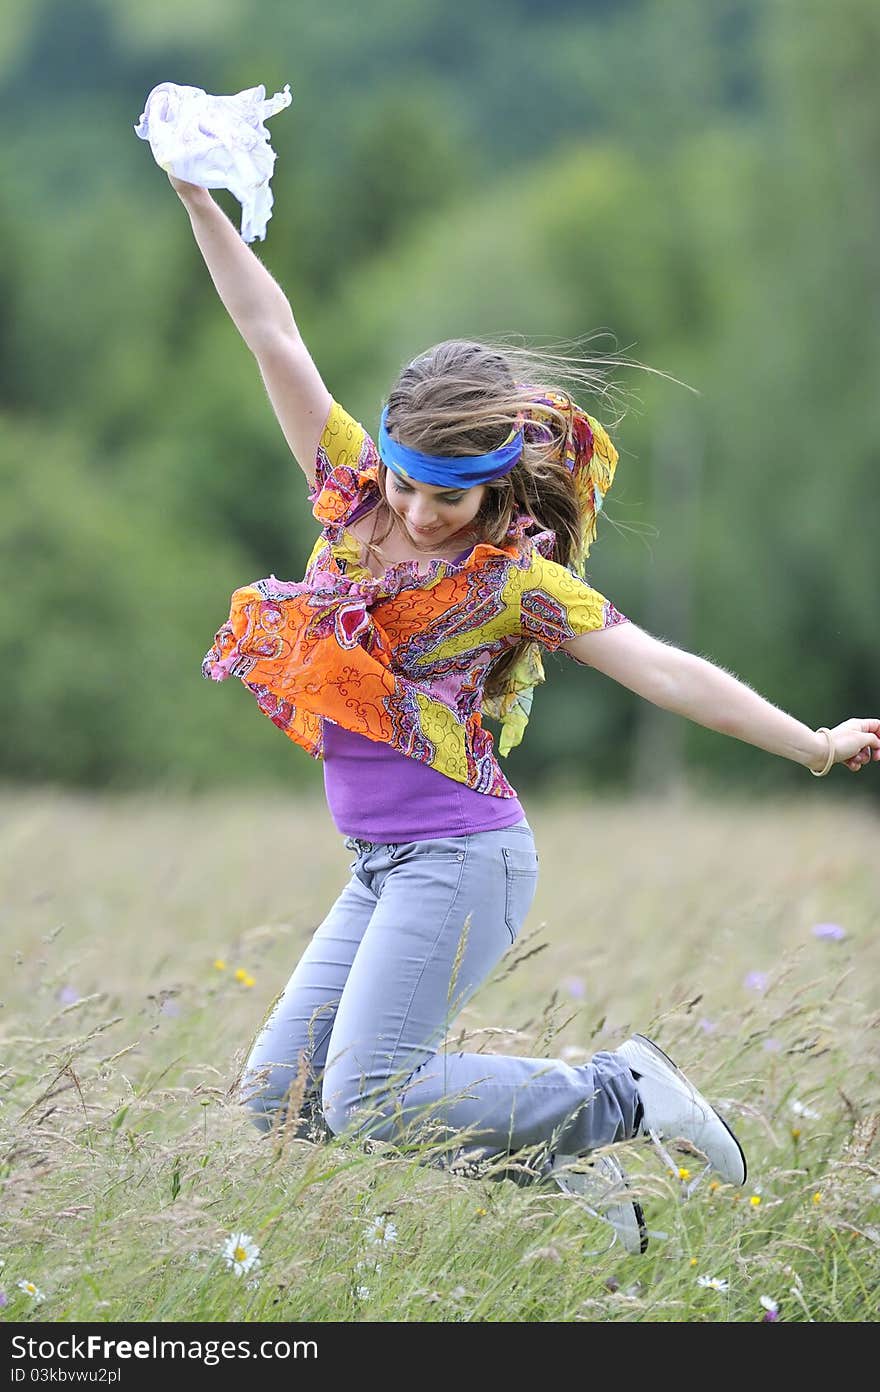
(851, 747)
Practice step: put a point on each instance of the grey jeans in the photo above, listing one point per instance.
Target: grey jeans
(354, 1037)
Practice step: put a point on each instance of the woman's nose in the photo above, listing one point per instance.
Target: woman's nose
(422, 512)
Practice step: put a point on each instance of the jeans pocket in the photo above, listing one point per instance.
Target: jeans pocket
(447, 849)
(521, 879)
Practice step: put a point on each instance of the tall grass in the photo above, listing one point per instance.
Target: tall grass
(143, 940)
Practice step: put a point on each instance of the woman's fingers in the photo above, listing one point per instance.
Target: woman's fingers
(864, 732)
(864, 756)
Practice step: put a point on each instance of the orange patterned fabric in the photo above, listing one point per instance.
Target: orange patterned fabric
(401, 659)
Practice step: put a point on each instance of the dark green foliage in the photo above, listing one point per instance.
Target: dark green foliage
(700, 180)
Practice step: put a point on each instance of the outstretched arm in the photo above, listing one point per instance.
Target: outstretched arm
(262, 314)
(688, 685)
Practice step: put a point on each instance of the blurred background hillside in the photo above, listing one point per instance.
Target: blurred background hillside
(697, 180)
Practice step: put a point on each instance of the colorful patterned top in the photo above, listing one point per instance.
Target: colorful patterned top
(403, 658)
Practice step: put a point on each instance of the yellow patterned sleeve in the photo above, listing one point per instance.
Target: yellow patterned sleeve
(346, 467)
(556, 606)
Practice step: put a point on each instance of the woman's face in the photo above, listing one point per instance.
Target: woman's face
(432, 516)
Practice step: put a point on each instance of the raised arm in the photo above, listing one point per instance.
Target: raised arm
(262, 314)
(688, 685)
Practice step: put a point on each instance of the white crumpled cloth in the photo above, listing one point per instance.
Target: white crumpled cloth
(218, 142)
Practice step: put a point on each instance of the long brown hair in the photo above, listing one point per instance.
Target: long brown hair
(462, 397)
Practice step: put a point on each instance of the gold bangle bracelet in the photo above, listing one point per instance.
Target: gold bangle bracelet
(829, 762)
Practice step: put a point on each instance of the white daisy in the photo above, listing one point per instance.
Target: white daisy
(382, 1232)
(714, 1283)
(241, 1253)
(802, 1110)
(33, 1291)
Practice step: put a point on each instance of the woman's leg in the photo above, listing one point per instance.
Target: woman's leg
(445, 913)
(290, 1050)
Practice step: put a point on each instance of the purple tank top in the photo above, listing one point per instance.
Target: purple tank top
(378, 794)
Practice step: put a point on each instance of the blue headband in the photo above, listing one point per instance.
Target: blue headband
(461, 471)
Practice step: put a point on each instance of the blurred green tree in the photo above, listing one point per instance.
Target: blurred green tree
(698, 180)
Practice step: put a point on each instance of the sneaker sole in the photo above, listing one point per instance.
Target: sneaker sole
(655, 1048)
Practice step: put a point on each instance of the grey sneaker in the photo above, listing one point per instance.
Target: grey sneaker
(672, 1107)
(602, 1189)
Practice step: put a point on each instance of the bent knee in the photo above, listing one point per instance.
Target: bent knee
(350, 1110)
(274, 1096)
(260, 1095)
(343, 1116)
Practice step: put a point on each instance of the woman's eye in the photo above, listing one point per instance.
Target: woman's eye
(400, 487)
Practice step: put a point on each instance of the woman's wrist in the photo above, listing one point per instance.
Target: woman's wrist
(196, 200)
(823, 760)
(192, 196)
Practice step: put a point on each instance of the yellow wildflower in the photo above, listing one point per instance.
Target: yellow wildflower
(219, 963)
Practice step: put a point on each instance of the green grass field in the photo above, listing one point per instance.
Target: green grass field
(143, 940)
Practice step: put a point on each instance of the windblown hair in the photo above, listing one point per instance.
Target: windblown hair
(462, 397)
